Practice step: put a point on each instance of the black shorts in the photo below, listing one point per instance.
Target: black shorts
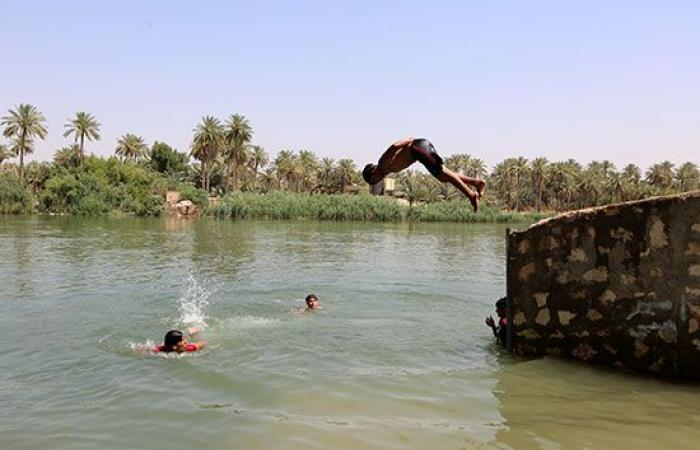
(424, 152)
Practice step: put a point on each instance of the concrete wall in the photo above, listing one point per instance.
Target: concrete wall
(615, 285)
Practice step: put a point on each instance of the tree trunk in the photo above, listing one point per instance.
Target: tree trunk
(21, 164)
(21, 157)
(82, 149)
(204, 176)
(235, 174)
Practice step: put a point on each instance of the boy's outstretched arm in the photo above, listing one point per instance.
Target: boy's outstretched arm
(200, 345)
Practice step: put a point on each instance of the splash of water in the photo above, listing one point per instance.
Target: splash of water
(193, 304)
(141, 347)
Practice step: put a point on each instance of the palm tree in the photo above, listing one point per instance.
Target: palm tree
(237, 133)
(84, 125)
(562, 183)
(539, 172)
(130, 147)
(632, 173)
(37, 174)
(308, 163)
(269, 180)
(616, 186)
(475, 168)
(207, 143)
(325, 174)
(67, 156)
(519, 171)
(347, 172)
(23, 125)
(454, 163)
(286, 166)
(591, 185)
(607, 167)
(411, 186)
(661, 176)
(4, 153)
(688, 177)
(258, 159)
(631, 178)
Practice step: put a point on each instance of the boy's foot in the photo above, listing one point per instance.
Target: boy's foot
(480, 188)
(474, 199)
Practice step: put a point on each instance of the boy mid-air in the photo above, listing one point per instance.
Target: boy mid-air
(405, 152)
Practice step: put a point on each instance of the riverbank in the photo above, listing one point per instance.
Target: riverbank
(291, 206)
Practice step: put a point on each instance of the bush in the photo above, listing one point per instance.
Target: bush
(196, 196)
(85, 194)
(90, 205)
(105, 185)
(150, 206)
(14, 199)
(166, 160)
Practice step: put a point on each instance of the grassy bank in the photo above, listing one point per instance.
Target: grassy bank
(291, 206)
(107, 186)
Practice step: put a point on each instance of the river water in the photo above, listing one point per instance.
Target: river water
(398, 358)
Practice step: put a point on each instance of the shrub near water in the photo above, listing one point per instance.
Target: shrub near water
(14, 199)
(196, 196)
(103, 186)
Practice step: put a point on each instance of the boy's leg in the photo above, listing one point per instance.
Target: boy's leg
(478, 183)
(448, 176)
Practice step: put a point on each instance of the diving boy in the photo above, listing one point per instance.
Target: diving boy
(405, 152)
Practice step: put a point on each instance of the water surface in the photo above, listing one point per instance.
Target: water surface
(398, 358)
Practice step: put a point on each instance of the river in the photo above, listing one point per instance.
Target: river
(398, 358)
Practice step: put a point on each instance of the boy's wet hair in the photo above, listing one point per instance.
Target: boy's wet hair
(310, 296)
(368, 171)
(172, 338)
(502, 303)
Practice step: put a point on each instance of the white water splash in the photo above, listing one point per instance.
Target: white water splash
(141, 347)
(193, 304)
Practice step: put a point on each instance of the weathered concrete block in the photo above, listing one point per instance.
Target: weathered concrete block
(617, 285)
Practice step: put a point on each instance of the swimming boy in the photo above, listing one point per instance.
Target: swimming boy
(405, 152)
(175, 342)
(311, 304)
(500, 331)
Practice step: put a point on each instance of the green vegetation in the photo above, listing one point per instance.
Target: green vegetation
(83, 126)
(22, 126)
(14, 199)
(293, 184)
(288, 205)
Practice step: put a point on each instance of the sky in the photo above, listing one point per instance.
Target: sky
(589, 80)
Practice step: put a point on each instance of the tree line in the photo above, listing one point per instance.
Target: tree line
(227, 160)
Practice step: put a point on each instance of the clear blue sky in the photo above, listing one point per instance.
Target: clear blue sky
(587, 80)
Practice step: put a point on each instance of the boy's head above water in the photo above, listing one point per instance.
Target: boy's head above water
(173, 341)
(501, 306)
(311, 301)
